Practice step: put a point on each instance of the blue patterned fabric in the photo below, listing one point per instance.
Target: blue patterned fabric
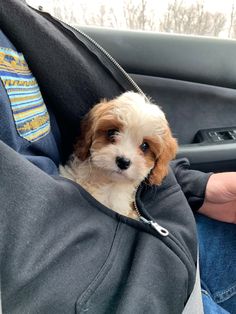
(28, 108)
(25, 123)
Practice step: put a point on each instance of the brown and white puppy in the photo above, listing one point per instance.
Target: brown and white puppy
(122, 142)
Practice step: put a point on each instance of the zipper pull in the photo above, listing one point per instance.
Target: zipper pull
(162, 231)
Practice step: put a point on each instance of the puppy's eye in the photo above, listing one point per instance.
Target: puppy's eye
(112, 132)
(144, 147)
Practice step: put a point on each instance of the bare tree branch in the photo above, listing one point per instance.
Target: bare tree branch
(193, 19)
(138, 15)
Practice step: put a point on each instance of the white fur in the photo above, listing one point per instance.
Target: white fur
(117, 195)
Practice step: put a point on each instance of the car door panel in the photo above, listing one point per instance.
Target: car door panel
(192, 79)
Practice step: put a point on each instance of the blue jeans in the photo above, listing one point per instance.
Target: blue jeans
(217, 245)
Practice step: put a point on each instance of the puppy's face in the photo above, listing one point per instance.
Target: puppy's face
(128, 138)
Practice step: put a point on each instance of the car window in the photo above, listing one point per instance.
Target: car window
(190, 17)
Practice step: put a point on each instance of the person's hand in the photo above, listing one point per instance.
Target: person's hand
(220, 197)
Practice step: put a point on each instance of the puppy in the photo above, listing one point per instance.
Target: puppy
(122, 142)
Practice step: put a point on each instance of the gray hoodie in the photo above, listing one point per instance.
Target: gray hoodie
(60, 250)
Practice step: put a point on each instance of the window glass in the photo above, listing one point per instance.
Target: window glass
(191, 17)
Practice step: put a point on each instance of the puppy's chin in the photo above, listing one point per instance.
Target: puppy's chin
(124, 176)
(119, 176)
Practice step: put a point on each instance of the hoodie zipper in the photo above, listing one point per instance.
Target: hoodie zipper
(154, 225)
(161, 230)
(117, 65)
(158, 228)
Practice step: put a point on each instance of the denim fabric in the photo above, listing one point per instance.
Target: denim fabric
(210, 307)
(217, 245)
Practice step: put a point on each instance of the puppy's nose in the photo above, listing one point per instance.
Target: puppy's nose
(122, 162)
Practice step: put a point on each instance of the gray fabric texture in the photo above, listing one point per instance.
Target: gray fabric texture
(61, 249)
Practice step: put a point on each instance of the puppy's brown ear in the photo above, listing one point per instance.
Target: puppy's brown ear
(87, 130)
(84, 141)
(168, 153)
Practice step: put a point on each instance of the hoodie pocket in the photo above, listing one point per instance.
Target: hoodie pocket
(82, 304)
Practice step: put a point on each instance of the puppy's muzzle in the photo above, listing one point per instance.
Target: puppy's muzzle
(122, 162)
